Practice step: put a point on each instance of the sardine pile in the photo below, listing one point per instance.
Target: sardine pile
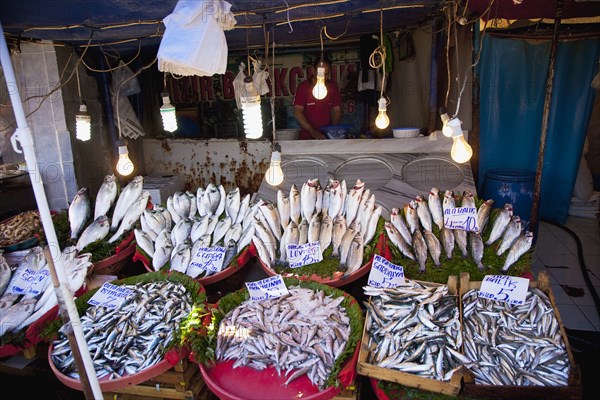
(413, 233)
(302, 333)
(209, 218)
(19, 310)
(131, 337)
(414, 328)
(345, 220)
(514, 345)
(128, 207)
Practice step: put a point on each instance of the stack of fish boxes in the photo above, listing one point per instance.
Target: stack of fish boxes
(572, 388)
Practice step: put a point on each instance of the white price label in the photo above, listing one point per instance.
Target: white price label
(109, 295)
(207, 259)
(509, 289)
(265, 289)
(304, 254)
(39, 282)
(22, 281)
(385, 274)
(464, 218)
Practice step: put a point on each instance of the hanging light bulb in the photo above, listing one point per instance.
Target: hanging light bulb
(83, 124)
(168, 114)
(382, 121)
(124, 165)
(461, 152)
(274, 175)
(452, 127)
(320, 90)
(251, 110)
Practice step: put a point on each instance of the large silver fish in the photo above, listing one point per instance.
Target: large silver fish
(460, 237)
(230, 253)
(319, 200)
(423, 213)
(326, 199)
(351, 232)
(467, 199)
(163, 238)
(107, 194)
(144, 241)
(326, 233)
(182, 204)
(447, 241)
(308, 198)
(263, 253)
(220, 230)
(5, 274)
(520, 246)
(398, 221)
(232, 204)
(435, 207)
(365, 214)
(398, 240)
(303, 232)
(372, 225)
(420, 248)
(222, 198)
(355, 255)
(344, 194)
(483, 214)
(314, 228)
(353, 200)
(434, 246)
(154, 220)
(166, 215)
(336, 199)
(449, 202)
(180, 259)
(200, 203)
(126, 198)
(244, 204)
(412, 219)
(13, 317)
(181, 231)
(199, 228)
(283, 206)
(131, 216)
(246, 237)
(295, 208)
(79, 212)
(271, 214)
(234, 233)
(210, 201)
(512, 232)
(500, 223)
(175, 217)
(264, 233)
(290, 236)
(476, 249)
(213, 220)
(339, 229)
(95, 231)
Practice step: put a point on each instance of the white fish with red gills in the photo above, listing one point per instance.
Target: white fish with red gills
(365, 214)
(467, 199)
(398, 221)
(336, 199)
(512, 232)
(412, 219)
(210, 201)
(353, 201)
(355, 255)
(372, 225)
(269, 211)
(308, 198)
(434, 246)
(95, 231)
(325, 200)
(232, 204)
(347, 239)
(476, 249)
(398, 240)
(79, 212)
(447, 241)
(520, 246)
(326, 233)
(423, 213)
(500, 223)
(128, 195)
(131, 216)
(449, 202)
(339, 229)
(435, 207)
(107, 194)
(483, 214)
(144, 241)
(295, 208)
(344, 193)
(420, 248)
(291, 235)
(283, 206)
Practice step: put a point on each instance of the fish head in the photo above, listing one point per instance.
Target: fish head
(412, 204)
(529, 235)
(434, 191)
(395, 211)
(110, 178)
(449, 194)
(103, 220)
(137, 179)
(313, 182)
(467, 193)
(489, 202)
(508, 207)
(333, 183)
(419, 199)
(516, 219)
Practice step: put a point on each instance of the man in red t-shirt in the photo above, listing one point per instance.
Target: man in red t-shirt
(312, 114)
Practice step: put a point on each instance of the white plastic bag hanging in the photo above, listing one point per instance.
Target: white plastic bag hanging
(238, 84)
(194, 42)
(260, 77)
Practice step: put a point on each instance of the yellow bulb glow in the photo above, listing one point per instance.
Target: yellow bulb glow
(168, 114)
(320, 90)
(83, 124)
(274, 175)
(124, 165)
(461, 152)
(452, 127)
(382, 121)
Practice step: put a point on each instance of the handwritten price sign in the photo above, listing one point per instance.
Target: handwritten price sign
(22, 281)
(110, 296)
(464, 218)
(304, 254)
(509, 289)
(39, 282)
(265, 289)
(207, 259)
(384, 274)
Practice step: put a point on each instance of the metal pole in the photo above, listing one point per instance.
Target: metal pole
(23, 136)
(546, 114)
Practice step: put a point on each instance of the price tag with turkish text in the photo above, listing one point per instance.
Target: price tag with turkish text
(109, 295)
(208, 259)
(464, 218)
(304, 254)
(39, 282)
(385, 274)
(22, 281)
(268, 288)
(509, 289)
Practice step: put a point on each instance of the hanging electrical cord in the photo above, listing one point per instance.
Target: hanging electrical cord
(377, 60)
(118, 66)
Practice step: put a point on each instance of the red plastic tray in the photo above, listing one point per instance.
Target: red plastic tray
(337, 280)
(242, 260)
(245, 383)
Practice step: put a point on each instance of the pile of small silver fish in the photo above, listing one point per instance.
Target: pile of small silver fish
(209, 218)
(131, 337)
(128, 207)
(414, 328)
(300, 333)
(336, 217)
(413, 234)
(514, 345)
(19, 310)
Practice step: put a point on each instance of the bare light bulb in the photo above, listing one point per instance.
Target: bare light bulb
(382, 121)
(251, 111)
(320, 90)
(452, 127)
(124, 165)
(461, 152)
(168, 114)
(274, 175)
(83, 124)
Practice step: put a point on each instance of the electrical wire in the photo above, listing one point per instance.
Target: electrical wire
(118, 66)
(382, 53)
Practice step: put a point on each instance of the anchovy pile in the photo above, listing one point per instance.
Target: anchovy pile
(345, 220)
(413, 233)
(131, 337)
(514, 345)
(209, 218)
(414, 328)
(302, 333)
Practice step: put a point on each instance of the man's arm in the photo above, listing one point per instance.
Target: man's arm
(299, 114)
(336, 115)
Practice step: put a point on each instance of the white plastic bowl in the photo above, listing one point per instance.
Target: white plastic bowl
(402, 133)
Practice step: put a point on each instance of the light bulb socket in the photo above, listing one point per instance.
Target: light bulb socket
(122, 146)
(382, 104)
(83, 109)
(321, 71)
(276, 156)
(452, 128)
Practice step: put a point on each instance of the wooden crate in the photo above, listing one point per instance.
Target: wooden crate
(573, 391)
(451, 387)
(349, 393)
(182, 381)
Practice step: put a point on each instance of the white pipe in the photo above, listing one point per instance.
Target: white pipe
(25, 139)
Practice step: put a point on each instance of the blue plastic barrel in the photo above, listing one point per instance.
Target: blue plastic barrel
(513, 186)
